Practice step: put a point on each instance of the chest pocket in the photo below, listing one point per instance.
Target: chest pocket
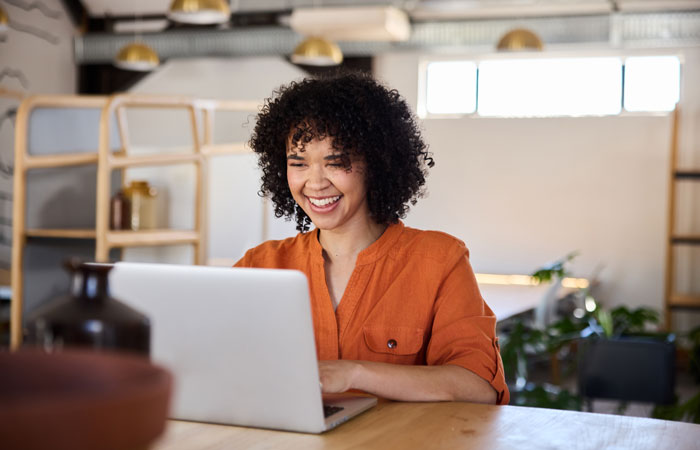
(393, 340)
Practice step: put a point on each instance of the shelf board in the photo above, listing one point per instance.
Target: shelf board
(687, 174)
(687, 239)
(62, 160)
(684, 301)
(147, 238)
(119, 162)
(65, 233)
(225, 149)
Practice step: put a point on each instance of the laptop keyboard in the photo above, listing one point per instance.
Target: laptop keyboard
(329, 410)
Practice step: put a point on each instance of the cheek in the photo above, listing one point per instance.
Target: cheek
(294, 182)
(355, 182)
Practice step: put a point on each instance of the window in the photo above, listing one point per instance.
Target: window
(652, 83)
(452, 87)
(550, 87)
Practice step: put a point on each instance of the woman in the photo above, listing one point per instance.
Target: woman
(397, 311)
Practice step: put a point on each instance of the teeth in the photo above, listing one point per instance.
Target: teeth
(325, 201)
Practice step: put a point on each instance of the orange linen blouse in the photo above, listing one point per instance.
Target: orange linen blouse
(411, 299)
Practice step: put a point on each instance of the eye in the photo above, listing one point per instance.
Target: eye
(296, 164)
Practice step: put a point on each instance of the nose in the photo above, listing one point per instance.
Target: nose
(317, 180)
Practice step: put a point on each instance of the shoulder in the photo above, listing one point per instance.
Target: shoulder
(438, 247)
(431, 244)
(279, 253)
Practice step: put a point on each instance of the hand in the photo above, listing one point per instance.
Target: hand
(336, 375)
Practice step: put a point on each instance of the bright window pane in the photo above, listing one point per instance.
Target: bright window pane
(652, 83)
(451, 87)
(550, 87)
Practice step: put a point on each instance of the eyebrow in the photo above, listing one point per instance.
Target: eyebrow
(334, 157)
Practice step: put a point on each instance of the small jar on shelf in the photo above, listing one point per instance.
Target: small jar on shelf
(120, 212)
(142, 198)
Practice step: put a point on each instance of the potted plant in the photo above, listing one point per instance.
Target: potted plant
(542, 338)
(600, 339)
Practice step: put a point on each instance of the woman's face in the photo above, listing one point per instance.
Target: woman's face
(335, 198)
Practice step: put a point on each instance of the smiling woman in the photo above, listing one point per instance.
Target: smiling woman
(396, 311)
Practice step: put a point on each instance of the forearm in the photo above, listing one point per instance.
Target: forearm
(421, 383)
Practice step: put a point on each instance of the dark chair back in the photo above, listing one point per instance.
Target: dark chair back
(628, 369)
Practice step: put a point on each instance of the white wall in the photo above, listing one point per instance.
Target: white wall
(523, 192)
(48, 68)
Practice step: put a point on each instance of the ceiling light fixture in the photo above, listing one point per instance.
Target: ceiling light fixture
(519, 39)
(137, 56)
(353, 23)
(316, 51)
(199, 12)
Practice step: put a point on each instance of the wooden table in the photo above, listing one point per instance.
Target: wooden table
(392, 425)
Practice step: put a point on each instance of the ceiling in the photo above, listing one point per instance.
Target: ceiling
(417, 9)
(261, 27)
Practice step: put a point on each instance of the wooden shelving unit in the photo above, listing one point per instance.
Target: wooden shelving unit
(675, 300)
(107, 160)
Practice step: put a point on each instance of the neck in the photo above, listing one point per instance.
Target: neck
(349, 242)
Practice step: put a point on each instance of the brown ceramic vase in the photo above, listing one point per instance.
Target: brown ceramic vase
(88, 317)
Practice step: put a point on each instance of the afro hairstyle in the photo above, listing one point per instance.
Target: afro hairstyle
(364, 120)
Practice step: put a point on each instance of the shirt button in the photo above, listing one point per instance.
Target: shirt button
(391, 343)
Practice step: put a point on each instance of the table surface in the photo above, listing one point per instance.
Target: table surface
(450, 425)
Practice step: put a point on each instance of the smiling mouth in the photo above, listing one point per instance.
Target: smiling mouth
(324, 202)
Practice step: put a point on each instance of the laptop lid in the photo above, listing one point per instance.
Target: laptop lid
(239, 341)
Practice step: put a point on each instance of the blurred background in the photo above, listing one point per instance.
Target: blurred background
(557, 127)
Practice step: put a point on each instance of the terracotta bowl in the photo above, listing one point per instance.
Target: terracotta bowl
(81, 400)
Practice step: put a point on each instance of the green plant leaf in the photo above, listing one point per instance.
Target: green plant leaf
(539, 397)
(688, 411)
(546, 273)
(606, 322)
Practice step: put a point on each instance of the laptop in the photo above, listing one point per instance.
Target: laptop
(240, 343)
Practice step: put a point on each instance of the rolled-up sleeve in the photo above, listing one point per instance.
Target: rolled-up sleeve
(464, 327)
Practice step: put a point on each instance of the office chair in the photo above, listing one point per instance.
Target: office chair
(633, 369)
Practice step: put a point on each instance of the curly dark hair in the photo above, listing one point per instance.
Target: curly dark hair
(365, 120)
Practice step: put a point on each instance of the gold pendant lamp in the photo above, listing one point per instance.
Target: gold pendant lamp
(137, 56)
(520, 39)
(316, 51)
(199, 12)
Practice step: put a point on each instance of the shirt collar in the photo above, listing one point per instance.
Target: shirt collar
(376, 249)
(381, 246)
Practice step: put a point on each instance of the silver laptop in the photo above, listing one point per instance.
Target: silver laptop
(240, 343)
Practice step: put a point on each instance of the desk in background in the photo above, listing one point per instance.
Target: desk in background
(510, 295)
(450, 425)
(510, 300)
